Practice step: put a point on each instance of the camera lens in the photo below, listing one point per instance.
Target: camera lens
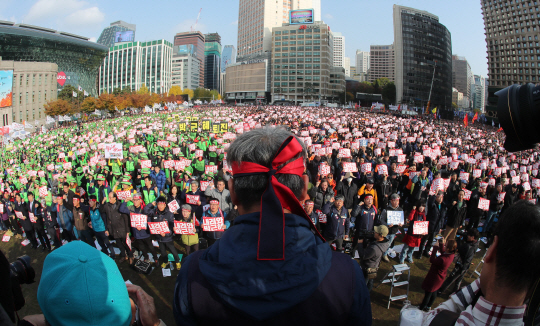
(22, 270)
(518, 109)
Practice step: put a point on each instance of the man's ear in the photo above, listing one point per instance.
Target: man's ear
(491, 255)
(234, 199)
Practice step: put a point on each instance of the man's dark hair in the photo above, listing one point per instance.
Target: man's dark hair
(473, 233)
(65, 184)
(260, 146)
(518, 231)
(148, 178)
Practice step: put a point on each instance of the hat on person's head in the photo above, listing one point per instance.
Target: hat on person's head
(382, 230)
(100, 177)
(145, 171)
(394, 196)
(66, 295)
(44, 182)
(370, 181)
(79, 170)
(514, 185)
(137, 196)
(126, 181)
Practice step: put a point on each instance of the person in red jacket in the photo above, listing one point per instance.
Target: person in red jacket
(410, 239)
(437, 273)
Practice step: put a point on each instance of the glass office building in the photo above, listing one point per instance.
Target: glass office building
(228, 56)
(78, 58)
(422, 44)
(133, 64)
(212, 61)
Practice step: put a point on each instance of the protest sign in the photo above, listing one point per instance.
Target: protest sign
(183, 228)
(114, 151)
(349, 167)
(395, 217)
(138, 220)
(213, 224)
(483, 204)
(159, 227)
(123, 195)
(420, 228)
(173, 206)
(192, 199)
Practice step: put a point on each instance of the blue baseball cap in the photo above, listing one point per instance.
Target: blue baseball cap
(82, 286)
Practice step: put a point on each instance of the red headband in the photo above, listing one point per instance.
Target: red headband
(275, 198)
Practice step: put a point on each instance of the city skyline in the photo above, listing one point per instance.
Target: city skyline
(89, 18)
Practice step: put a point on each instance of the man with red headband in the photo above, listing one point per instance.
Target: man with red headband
(213, 212)
(272, 266)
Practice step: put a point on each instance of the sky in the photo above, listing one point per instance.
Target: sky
(362, 22)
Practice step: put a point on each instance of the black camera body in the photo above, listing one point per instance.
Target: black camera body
(518, 109)
(21, 272)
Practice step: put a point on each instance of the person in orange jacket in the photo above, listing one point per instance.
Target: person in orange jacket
(368, 189)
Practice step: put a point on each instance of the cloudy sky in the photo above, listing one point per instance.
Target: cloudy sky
(362, 22)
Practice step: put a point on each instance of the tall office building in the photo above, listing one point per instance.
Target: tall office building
(304, 72)
(119, 31)
(212, 61)
(462, 76)
(339, 50)
(136, 63)
(186, 67)
(197, 40)
(423, 55)
(381, 62)
(512, 30)
(362, 61)
(228, 56)
(257, 18)
(478, 93)
(347, 66)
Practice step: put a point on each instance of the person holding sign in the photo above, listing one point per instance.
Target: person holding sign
(22, 213)
(456, 217)
(36, 209)
(436, 215)
(393, 217)
(165, 240)
(437, 272)
(338, 222)
(195, 197)
(190, 241)
(474, 213)
(214, 211)
(118, 227)
(143, 239)
(411, 240)
(272, 239)
(495, 205)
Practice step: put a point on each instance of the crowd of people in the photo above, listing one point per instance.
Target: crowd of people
(131, 184)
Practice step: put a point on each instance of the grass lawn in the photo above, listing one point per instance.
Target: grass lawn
(161, 288)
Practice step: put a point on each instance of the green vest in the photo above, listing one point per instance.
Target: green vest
(149, 198)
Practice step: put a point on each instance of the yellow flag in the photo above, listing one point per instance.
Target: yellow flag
(434, 110)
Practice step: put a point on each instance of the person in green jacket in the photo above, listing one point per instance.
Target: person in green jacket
(190, 241)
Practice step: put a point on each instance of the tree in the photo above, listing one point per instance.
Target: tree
(388, 92)
(175, 90)
(383, 81)
(140, 100)
(117, 91)
(154, 98)
(89, 104)
(188, 92)
(67, 94)
(350, 97)
(123, 101)
(376, 87)
(58, 107)
(106, 102)
(143, 90)
(126, 90)
(215, 95)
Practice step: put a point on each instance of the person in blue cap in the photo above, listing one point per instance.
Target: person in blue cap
(65, 297)
(272, 266)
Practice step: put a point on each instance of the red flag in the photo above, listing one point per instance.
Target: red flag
(399, 107)
(466, 120)
(475, 117)
(500, 129)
